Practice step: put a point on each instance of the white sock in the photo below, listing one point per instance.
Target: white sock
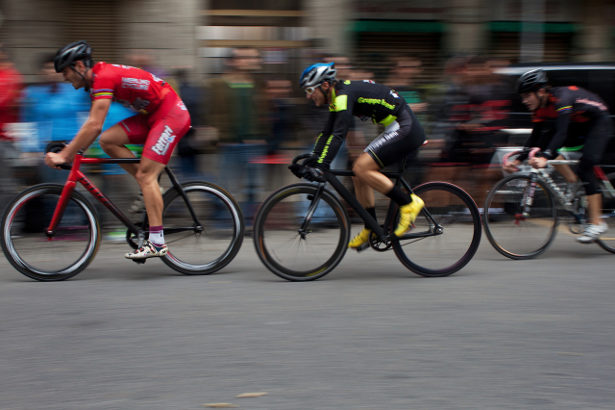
(156, 235)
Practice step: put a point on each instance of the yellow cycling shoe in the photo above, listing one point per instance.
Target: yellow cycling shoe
(408, 214)
(361, 241)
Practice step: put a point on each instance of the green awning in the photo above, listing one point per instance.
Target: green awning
(517, 26)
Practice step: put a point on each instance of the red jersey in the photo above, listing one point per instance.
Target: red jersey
(135, 88)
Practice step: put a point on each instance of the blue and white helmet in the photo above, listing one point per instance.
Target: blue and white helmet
(316, 74)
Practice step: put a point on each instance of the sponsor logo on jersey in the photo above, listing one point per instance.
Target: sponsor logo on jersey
(135, 83)
(375, 101)
(165, 139)
(596, 104)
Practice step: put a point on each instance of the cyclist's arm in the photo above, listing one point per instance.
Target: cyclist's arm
(340, 120)
(88, 132)
(532, 141)
(321, 140)
(564, 112)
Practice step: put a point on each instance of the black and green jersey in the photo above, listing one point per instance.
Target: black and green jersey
(364, 99)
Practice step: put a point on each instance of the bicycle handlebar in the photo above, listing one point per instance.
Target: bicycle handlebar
(306, 171)
(55, 147)
(532, 154)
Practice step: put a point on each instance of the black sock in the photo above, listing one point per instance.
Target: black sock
(372, 212)
(400, 197)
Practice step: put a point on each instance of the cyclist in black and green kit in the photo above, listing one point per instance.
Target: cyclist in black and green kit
(403, 134)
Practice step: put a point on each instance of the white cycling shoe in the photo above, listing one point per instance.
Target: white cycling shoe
(148, 250)
(592, 232)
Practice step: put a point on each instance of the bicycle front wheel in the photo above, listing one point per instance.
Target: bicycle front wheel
(517, 231)
(607, 241)
(446, 233)
(206, 239)
(49, 258)
(299, 234)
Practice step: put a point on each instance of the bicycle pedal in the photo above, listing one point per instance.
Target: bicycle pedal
(362, 247)
(139, 261)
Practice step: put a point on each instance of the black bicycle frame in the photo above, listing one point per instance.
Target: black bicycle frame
(331, 178)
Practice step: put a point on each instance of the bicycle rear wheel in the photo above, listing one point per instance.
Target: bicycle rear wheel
(209, 243)
(607, 241)
(301, 237)
(511, 232)
(27, 246)
(446, 233)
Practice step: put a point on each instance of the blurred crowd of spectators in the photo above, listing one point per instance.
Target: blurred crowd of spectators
(246, 126)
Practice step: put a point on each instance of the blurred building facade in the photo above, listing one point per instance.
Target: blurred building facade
(198, 33)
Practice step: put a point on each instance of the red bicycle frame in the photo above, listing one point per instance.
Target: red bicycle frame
(76, 176)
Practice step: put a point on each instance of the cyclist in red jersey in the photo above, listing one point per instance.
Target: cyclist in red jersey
(161, 120)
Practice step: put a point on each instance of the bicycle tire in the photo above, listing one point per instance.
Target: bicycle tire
(291, 253)
(607, 241)
(446, 253)
(34, 254)
(511, 233)
(204, 249)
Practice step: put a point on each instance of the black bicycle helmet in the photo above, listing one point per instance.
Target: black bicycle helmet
(75, 51)
(532, 80)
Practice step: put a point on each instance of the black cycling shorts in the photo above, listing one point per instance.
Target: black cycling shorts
(596, 141)
(398, 140)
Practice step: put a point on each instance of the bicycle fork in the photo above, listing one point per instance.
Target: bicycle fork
(527, 200)
(314, 200)
(60, 207)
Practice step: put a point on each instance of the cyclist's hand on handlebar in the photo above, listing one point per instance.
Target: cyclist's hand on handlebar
(297, 169)
(309, 168)
(538, 162)
(55, 159)
(314, 174)
(511, 166)
(314, 169)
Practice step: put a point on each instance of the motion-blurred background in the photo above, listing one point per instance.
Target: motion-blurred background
(236, 64)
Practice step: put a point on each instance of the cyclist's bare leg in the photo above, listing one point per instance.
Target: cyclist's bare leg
(113, 142)
(147, 178)
(364, 193)
(367, 171)
(565, 170)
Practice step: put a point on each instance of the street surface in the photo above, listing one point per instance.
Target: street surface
(500, 334)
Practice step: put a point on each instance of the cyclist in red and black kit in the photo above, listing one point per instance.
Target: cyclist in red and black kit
(161, 119)
(402, 135)
(574, 118)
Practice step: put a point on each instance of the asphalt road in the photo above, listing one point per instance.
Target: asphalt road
(500, 334)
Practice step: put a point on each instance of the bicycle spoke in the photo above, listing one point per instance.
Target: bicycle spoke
(206, 250)
(291, 247)
(441, 253)
(62, 255)
(514, 228)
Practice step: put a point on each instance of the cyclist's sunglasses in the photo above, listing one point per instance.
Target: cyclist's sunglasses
(310, 90)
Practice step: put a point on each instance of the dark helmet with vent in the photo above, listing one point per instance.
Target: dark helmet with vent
(70, 53)
(532, 80)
